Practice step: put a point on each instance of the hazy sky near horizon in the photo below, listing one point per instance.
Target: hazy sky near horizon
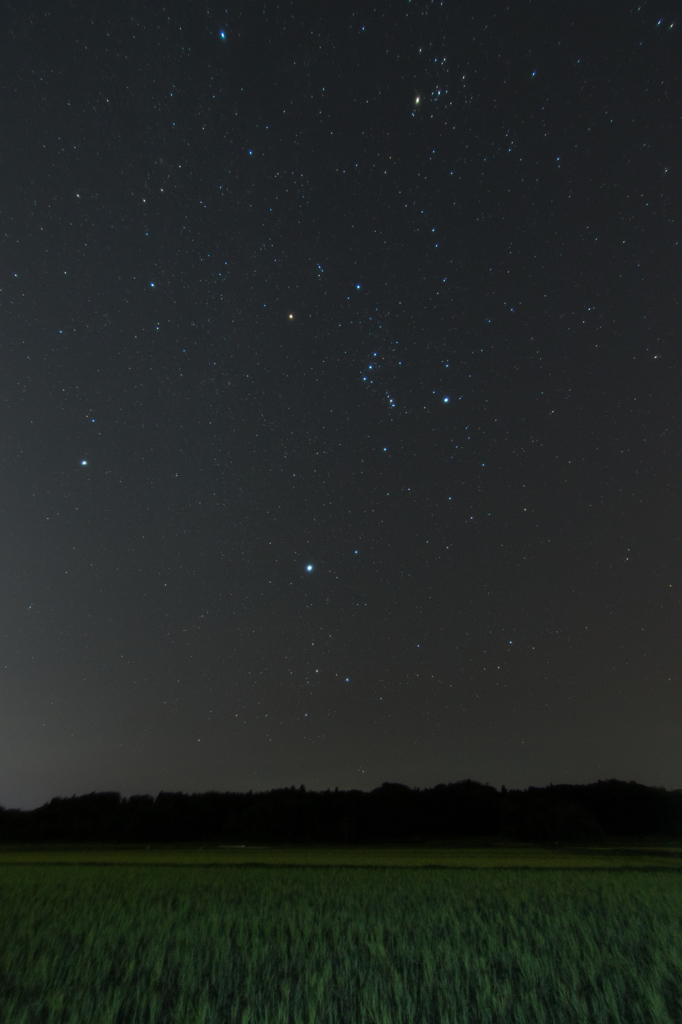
(340, 395)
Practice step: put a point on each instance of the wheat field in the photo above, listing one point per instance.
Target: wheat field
(259, 945)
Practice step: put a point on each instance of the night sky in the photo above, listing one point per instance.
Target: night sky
(340, 395)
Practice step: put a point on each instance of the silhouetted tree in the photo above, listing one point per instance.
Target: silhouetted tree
(393, 813)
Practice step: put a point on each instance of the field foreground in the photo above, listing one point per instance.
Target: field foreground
(267, 945)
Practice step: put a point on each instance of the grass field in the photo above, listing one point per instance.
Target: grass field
(464, 855)
(135, 944)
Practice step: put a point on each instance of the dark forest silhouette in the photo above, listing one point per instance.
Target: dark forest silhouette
(392, 813)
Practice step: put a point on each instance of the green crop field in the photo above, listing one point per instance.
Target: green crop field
(462, 855)
(137, 944)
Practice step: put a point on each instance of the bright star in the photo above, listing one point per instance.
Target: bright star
(309, 568)
(84, 462)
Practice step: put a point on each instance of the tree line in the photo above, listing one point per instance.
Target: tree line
(393, 813)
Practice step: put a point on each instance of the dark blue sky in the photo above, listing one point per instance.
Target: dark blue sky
(388, 292)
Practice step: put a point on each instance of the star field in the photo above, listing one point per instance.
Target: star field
(340, 396)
